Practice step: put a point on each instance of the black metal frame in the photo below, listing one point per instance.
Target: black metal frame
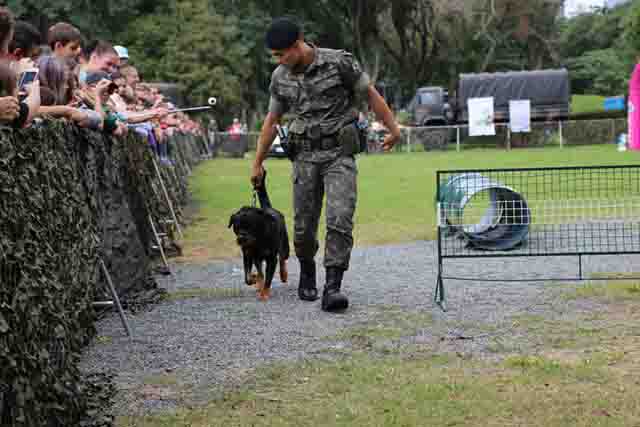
(439, 294)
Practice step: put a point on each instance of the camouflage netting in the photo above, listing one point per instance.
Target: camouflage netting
(69, 196)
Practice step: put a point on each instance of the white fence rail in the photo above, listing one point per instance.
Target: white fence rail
(418, 138)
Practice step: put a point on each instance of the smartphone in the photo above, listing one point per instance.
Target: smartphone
(27, 77)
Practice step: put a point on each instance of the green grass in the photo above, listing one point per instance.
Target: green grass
(578, 372)
(395, 192)
(581, 372)
(624, 289)
(556, 334)
(587, 103)
(390, 323)
(531, 391)
(614, 291)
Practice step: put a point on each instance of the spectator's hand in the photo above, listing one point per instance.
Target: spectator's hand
(31, 87)
(257, 174)
(118, 103)
(121, 130)
(127, 91)
(28, 89)
(24, 64)
(160, 112)
(86, 96)
(9, 108)
(102, 86)
(32, 100)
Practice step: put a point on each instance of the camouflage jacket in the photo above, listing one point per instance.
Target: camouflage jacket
(323, 97)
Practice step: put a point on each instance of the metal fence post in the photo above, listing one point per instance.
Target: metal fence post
(613, 130)
(116, 300)
(458, 138)
(408, 139)
(167, 198)
(560, 133)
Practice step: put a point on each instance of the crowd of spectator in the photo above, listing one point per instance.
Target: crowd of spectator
(93, 84)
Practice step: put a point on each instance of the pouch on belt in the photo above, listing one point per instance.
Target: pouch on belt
(351, 140)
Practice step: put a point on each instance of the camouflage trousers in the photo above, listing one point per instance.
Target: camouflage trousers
(335, 178)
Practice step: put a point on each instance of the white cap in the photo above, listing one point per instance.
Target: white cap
(123, 53)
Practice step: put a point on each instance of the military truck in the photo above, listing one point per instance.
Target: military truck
(548, 91)
(430, 107)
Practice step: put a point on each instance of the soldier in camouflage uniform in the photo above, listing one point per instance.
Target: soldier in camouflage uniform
(321, 88)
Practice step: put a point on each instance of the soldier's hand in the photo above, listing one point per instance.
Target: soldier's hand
(257, 174)
(390, 141)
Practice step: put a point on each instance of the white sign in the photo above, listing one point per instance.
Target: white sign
(520, 115)
(481, 116)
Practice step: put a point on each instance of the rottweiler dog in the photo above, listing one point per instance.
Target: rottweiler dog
(262, 235)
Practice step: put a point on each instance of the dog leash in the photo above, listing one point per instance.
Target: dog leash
(254, 195)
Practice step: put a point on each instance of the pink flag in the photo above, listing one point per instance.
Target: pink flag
(634, 109)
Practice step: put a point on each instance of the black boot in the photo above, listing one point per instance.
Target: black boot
(332, 299)
(307, 290)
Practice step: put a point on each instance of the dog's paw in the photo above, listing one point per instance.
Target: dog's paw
(264, 294)
(254, 279)
(258, 282)
(284, 272)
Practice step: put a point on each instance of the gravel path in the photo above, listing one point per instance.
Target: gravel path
(186, 351)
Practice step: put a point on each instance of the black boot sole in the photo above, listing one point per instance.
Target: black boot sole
(308, 296)
(335, 302)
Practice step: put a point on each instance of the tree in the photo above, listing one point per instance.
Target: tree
(95, 19)
(207, 55)
(632, 28)
(147, 39)
(599, 72)
(517, 34)
(192, 45)
(598, 59)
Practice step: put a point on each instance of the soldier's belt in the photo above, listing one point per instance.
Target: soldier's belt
(320, 144)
